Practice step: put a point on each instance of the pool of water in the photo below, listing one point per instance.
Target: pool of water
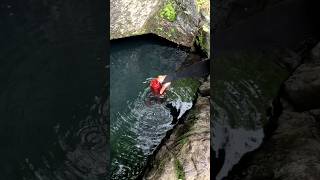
(137, 121)
(52, 88)
(244, 86)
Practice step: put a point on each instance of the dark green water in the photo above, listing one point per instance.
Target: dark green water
(138, 123)
(52, 78)
(244, 87)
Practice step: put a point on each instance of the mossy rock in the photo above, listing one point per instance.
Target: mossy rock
(174, 20)
(179, 170)
(168, 12)
(183, 89)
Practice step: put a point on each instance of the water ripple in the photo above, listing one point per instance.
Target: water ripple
(84, 147)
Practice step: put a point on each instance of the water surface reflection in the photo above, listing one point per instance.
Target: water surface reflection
(52, 87)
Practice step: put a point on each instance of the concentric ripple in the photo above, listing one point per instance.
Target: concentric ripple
(84, 147)
(143, 127)
(139, 121)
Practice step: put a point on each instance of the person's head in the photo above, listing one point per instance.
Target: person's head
(155, 86)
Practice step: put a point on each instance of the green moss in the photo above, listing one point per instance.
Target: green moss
(201, 41)
(168, 12)
(184, 89)
(179, 170)
(191, 131)
(200, 3)
(172, 32)
(160, 29)
(183, 141)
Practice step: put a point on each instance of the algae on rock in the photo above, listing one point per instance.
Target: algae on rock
(183, 89)
(169, 12)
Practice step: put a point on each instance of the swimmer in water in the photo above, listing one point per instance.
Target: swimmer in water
(159, 84)
(157, 90)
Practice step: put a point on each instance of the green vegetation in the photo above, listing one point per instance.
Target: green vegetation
(168, 12)
(161, 164)
(160, 29)
(167, 32)
(192, 116)
(172, 32)
(200, 3)
(179, 170)
(183, 141)
(184, 89)
(201, 41)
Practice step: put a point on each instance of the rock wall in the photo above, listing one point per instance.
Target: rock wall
(292, 152)
(186, 154)
(230, 12)
(184, 22)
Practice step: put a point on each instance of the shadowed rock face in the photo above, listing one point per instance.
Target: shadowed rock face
(176, 20)
(284, 24)
(315, 53)
(244, 86)
(292, 151)
(233, 11)
(303, 86)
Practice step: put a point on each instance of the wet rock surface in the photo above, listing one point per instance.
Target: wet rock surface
(241, 106)
(182, 22)
(204, 89)
(292, 150)
(262, 25)
(303, 86)
(315, 53)
(231, 11)
(186, 152)
(290, 60)
(245, 24)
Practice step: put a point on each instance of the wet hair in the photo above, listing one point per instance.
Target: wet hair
(155, 86)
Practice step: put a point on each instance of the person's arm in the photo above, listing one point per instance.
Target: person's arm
(165, 85)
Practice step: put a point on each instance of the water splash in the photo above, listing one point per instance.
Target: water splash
(182, 93)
